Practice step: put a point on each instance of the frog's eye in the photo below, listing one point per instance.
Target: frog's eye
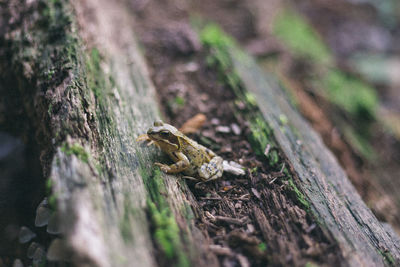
(164, 134)
(158, 123)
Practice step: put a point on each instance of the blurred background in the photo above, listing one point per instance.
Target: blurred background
(339, 62)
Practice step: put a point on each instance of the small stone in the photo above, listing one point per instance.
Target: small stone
(215, 121)
(191, 67)
(39, 255)
(233, 168)
(31, 249)
(236, 129)
(256, 193)
(42, 216)
(250, 228)
(223, 129)
(43, 203)
(235, 164)
(26, 235)
(243, 261)
(54, 225)
(267, 149)
(18, 263)
(57, 251)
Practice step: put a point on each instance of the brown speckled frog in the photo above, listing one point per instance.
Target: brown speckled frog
(190, 157)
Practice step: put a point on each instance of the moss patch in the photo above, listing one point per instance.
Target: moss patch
(95, 80)
(351, 94)
(166, 232)
(293, 30)
(389, 259)
(299, 195)
(76, 150)
(347, 92)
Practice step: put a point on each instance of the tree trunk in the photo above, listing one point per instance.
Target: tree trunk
(86, 91)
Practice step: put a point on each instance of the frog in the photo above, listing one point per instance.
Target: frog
(190, 158)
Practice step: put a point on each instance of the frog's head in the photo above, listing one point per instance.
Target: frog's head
(165, 135)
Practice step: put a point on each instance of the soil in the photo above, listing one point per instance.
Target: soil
(242, 217)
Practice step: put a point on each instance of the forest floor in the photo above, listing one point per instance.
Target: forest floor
(182, 96)
(232, 208)
(186, 87)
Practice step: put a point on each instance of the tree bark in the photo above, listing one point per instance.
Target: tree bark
(362, 239)
(87, 93)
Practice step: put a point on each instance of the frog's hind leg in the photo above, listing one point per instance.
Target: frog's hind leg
(212, 170)
(189, 178)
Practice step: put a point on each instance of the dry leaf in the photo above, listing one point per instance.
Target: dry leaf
(193, 124)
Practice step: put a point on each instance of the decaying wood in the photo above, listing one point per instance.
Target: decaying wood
(88, 95)
(88, 106)
(362, 239)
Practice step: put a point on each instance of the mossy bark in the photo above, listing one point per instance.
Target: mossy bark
(87, 95)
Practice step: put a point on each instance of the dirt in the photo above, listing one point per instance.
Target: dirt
(254, 219)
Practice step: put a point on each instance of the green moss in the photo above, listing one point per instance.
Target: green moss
(95, 78)
(283, 119)
(262, 247)
(212, 36)
(188, 213)
(52, 201)
(351, 94)
(250, 98)
(294, 31)
(310, 264)
(166, 232)
(49, 185)
(359, 142)
(50, 109)
(388, 258)
(261, 137)
(76, 150)
(347, 92)
(298, 194)
(180, 101)
(125, 225)
(219, 45)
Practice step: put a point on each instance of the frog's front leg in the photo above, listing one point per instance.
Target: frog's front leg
(145, 137)
(212, 170)
(181, 164)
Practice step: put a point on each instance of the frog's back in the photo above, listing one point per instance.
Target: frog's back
(196, 155)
